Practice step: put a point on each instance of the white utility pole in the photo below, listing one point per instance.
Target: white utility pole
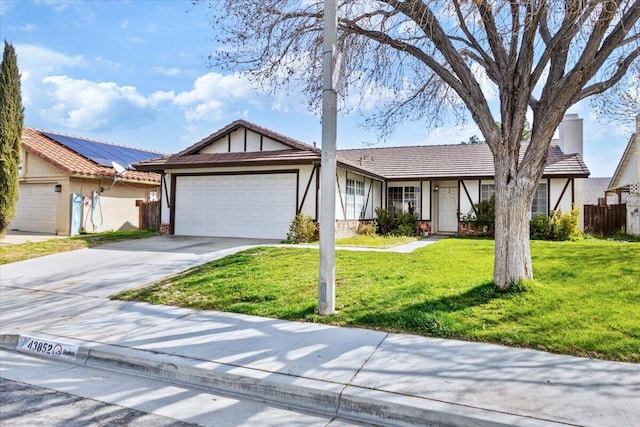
(327, 276)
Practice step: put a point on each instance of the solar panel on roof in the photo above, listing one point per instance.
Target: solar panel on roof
(102, 153)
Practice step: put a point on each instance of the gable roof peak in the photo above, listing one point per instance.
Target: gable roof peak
(236, 124)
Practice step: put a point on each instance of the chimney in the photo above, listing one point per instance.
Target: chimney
(571, 135)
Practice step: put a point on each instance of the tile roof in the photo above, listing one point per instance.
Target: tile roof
(230, 159)
(594, 188)
(411, 162)
(73, 163)
(450, 161)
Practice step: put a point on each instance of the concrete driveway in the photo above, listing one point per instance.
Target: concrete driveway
(105, 270)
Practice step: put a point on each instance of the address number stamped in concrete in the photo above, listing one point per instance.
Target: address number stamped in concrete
(46, 347)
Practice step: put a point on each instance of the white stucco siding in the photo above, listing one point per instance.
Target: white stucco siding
(243, 140)
(269, 144)
(472, 187)
(220, 145)
(371, 197)
(237, 141)
(253, 141)
(425, 211)
(557, 198)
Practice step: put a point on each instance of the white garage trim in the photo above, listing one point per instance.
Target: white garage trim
(36, 209)
(256, 204)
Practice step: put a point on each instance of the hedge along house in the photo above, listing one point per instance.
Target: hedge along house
(69, 183)
(248, 181)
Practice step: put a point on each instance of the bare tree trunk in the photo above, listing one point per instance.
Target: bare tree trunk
(513, 204)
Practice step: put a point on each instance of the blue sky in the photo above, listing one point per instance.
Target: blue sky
(136, 73)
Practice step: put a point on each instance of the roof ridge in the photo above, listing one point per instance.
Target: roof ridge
(43, 131)
(410, 146)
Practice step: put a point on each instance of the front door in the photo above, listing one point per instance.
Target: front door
(448, 210)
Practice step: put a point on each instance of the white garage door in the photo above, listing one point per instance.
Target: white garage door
(260, 206)
(36, 209)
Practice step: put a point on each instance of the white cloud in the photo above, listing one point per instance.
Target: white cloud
(133, 39)
(57, 5)
(152, 28)
(173, 71)
(25, 27)
(125, 23)
(35, 62)
(87, 105)
(40, 60)
(212, 96)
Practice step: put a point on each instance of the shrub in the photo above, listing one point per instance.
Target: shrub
(482, 217)
(565, 225)
(386, 222)
(367, 228)
(302, 229)
(405, 225)
(540, 227)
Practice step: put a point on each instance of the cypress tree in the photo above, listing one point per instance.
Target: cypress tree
(11, 122)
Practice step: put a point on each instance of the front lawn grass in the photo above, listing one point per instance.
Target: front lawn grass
(584, 300)
(13, 253)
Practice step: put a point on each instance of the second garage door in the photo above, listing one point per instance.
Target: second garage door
(256, 205)
(36, 209)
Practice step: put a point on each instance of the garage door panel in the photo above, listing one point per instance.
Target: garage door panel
(255, 205)
(36, 208)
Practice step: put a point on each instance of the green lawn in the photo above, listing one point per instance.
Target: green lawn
(585, 299)
(14, 253)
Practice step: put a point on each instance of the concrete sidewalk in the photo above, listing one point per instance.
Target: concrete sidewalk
(354, 374)
(358, 374)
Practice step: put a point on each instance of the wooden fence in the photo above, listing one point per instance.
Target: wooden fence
(604, 220)
(149, 215)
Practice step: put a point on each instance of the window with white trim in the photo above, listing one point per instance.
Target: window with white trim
(486, 192)
(404, 200)
(540, 203)
(355, 199)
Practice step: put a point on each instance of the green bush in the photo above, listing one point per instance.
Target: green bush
(404, 230)
(540, 227)
(405, 225)
(367, 228)
(386, 222)
(302, 229)
(565, 225)
(482, 218)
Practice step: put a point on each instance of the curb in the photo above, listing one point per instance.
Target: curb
(328, 398)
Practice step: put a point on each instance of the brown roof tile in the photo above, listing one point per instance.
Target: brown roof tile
(73, 163)
(230, 159)
(450, 161)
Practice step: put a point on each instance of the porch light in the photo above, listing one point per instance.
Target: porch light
(58, 188)
(436, 188)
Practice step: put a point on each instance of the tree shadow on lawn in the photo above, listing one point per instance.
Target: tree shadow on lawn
(424, 318)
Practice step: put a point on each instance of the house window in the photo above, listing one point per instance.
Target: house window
(486, 192)
(540, 203)
(404, 200)
(355, 199)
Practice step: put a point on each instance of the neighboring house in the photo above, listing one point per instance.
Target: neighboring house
(70, 183)
(248, 181)
(594, 191)
(625, 183)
